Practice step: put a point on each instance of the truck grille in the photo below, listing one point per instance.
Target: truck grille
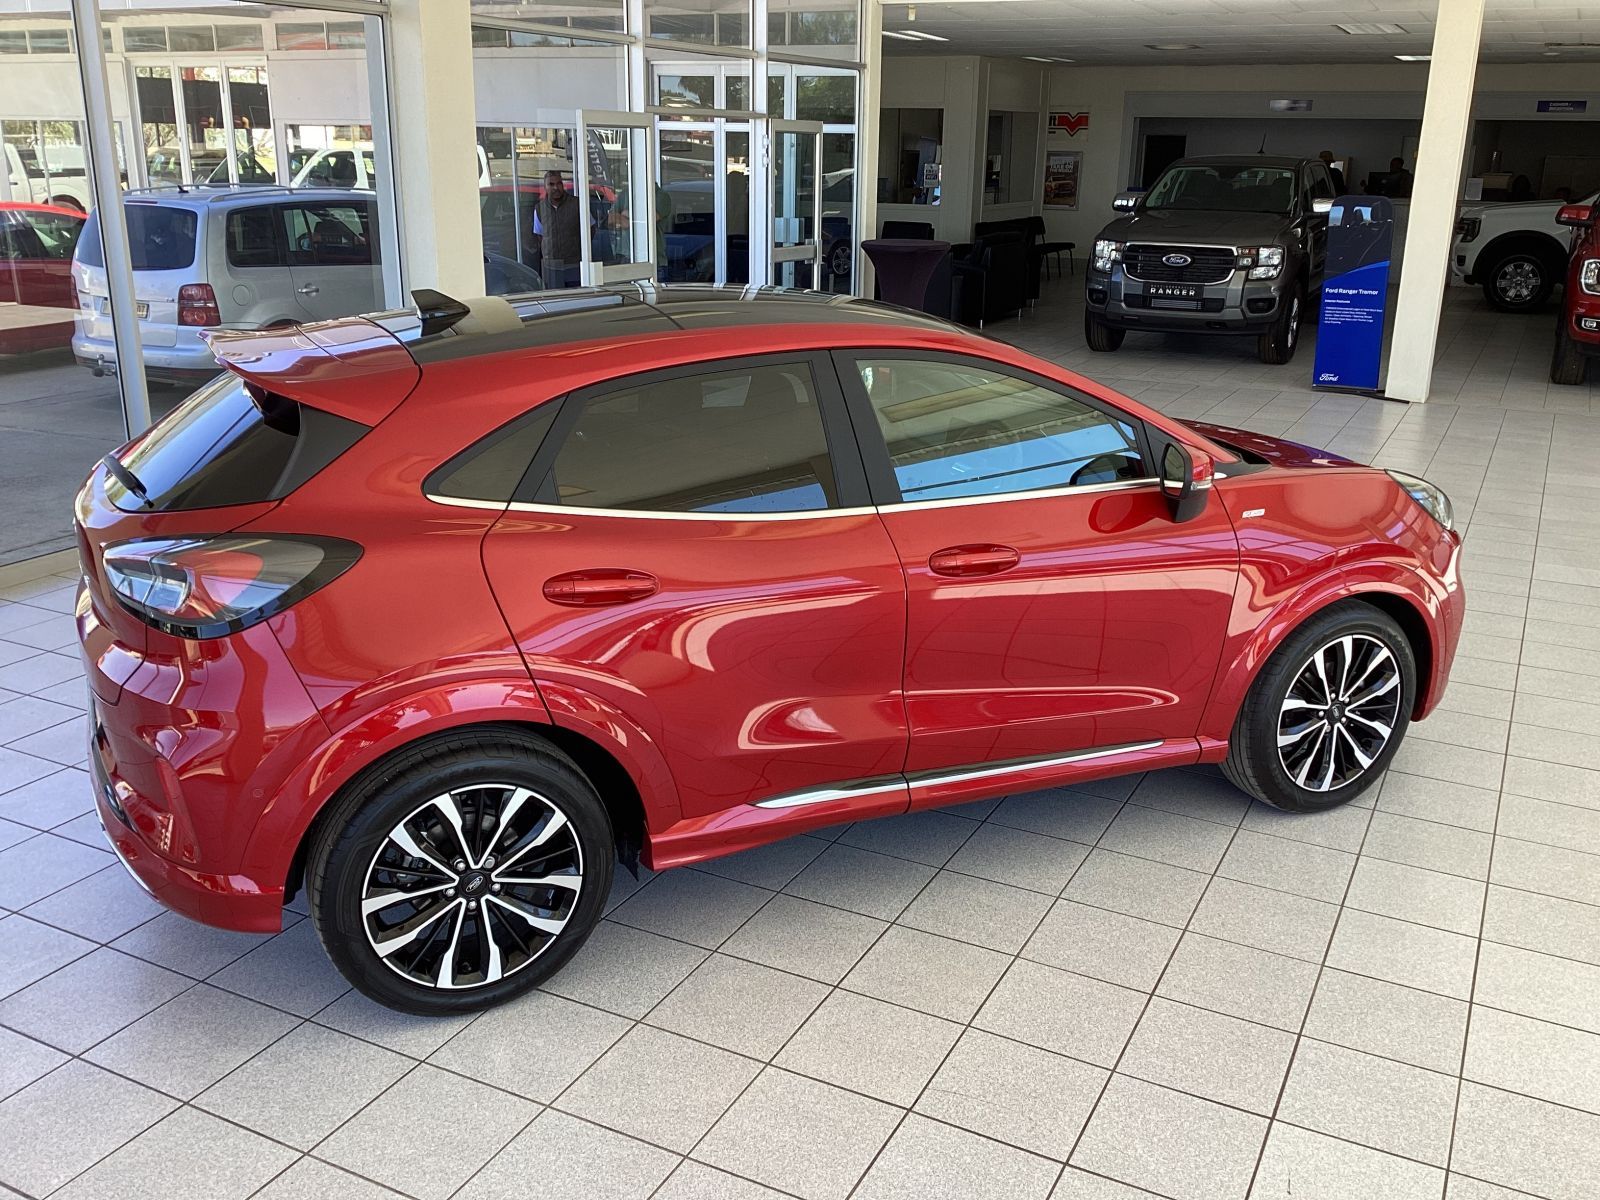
(1207, 264)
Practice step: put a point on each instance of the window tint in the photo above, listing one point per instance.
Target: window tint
(159, 238)
(748, 440)
(58, 235)
(492, 468)
(1321, 183)
(253, 238)
(963, 429)
(329, 235)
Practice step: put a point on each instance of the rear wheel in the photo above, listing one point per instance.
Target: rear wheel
(1519, 281)
(1326, 713)
(1568, 364)
(462, 874)
(1277, 345)
(1100, 336)
(68, 202)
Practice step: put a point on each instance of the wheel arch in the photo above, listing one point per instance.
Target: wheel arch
(1548, 249)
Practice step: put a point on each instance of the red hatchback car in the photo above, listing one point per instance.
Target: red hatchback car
(439, 617)
(1578, 321)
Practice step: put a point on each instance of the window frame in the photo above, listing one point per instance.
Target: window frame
(884, 485)
(537, 491)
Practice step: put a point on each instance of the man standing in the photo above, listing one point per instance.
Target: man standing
(555, 224)
(1339, 188)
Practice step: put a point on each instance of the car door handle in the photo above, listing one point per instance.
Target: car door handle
(310, 289)
(599, 587)
(965, 561)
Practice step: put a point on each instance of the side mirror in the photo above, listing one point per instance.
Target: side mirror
(1126, 202)
(1576, 216)
(1322, 204)
(1185, 480)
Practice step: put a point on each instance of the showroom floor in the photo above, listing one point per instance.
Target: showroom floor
(1146, 980)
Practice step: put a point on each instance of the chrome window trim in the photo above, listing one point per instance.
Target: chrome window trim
(1083, 489)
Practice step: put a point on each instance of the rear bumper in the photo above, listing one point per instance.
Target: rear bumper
(183, 363)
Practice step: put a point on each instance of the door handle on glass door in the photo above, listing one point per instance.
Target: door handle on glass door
(965, 561)
(599, 587)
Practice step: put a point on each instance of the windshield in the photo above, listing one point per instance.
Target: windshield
(1229, 187)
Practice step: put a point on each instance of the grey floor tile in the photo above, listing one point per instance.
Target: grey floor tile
(1564, 825)
(800, 1136)
(11, 833)
(740, 1006)
(861, 881)
(1167, 837)
(101, 907)
(1561, 990)
(771, 866)
(659, 1087)
(1418, 956)
(625, 970)
(1544, 923)
(804, 938)
(869, 1046)
(1339, 828)
(1019, 858)
(187, 1156)
(1460, 1187)
(924, 837)
(1138, 887)
(414, 1036)
(1301, 1165)
(931, 974)
(692, 906)
(1414, 894)
(696, 1181)
(33, 869)
(482, 1120)
(89, 999)
(1533, 1057)
(1435, 800)
(1059, 813)
(1553, 781)
(311, 1179)
(290, 971)
(1226, 1059)
(1103, 944)
(978, 911)
(1377, 1102)
(1070, 1014)
(186, 946)
(50, 800)
(1193, 793)
(1266, 919)
(1527, 1144)
(192, 1041)
(1076, 1184)
(101, 1111)
(1172, 1143)
(559, 1157)
(30, 950)
(1017, 1094)
(22, 1060)
(555, 1040)
(1450, 764)
(1428, 844)
(1239, 981)
(924, 1158)
(1386, 1019)
(305, 1085)
(1287, 866)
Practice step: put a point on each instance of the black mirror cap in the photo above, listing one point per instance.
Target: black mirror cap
(1185, 480)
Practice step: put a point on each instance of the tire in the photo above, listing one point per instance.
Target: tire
(840, 260)
(71, 202)
(1350, 636)
(1100, 336)
(1277, 345)
(1518, 281)
(1569, 364)
(532, 793)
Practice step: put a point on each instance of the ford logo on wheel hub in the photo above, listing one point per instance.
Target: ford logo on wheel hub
(1177, 260)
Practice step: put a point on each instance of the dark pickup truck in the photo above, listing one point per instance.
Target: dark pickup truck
(1226, 244)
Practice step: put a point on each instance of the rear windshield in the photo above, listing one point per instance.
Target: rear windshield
(160, 238)
(219, 447)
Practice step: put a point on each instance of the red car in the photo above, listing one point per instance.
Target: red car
(439, 623)
(36, 245)
(1578, 322)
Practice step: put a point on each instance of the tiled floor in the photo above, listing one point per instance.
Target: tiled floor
(1146, 987)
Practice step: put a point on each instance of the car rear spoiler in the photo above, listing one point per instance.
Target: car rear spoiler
(350, 367)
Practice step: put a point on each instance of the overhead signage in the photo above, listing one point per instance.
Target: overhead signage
(1355, 294)
(1563, 106)
(1069, 123)
(1289, 105)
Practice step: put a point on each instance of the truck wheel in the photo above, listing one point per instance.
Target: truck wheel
(1100, 336)
(1276, 346)
(1518, 281)
(1568, 364)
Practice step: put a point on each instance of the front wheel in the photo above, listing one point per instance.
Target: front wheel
(462, 874)
(1569, 364)
(1326, 713)
(1277, 345)
(1519, 282)
(1100, 336)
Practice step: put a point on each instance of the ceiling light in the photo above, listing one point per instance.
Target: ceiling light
(1171, 46)
(914, 35)
(902, 37)
(1036, 58)
(1414, 57)
(1370, 28)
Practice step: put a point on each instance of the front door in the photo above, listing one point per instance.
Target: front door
(1054, 606)
(695, 549)
(334, 257)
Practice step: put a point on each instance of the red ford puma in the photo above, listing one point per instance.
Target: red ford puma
(437, 616)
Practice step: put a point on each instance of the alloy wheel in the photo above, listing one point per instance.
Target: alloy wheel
(1518, 281)
(472, 886)
(1339, 713)
(1294, 323)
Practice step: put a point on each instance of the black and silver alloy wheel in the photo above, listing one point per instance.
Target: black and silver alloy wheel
(1339, 713)
(1518, 281)
(472, 886)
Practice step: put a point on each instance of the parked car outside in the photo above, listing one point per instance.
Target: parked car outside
(438, 618)
(36, 245)
(1231, 244)
(1578, 322)
(67, 186)
(1517, 253)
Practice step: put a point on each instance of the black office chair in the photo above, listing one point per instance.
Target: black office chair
(1049, 249)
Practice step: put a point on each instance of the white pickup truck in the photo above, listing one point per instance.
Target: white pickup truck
(1516, 252)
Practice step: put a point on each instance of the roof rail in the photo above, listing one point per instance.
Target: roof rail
(211, 191)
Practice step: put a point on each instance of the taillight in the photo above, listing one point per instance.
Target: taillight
(207, 587)
(197, 305)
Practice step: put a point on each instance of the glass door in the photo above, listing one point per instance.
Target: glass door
(616, 184)
(794, 173)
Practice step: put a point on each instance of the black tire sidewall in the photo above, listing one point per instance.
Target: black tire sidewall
(342, 873)
(1541, 295)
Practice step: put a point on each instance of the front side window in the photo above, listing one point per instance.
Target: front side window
(330, 235)
(747, 440)
(955, 429)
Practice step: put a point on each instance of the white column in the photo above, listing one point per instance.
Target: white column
(1435, 196)
(436, 165)
(868, 126)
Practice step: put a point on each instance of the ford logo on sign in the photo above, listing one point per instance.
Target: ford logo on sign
(1177, 260)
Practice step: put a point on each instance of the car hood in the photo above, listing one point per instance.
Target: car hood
(1547, 207)
(1258, 447)
(1198, 227)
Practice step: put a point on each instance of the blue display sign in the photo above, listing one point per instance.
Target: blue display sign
(1355, 294)
(1563, 106)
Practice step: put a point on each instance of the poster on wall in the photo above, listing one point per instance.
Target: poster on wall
(1061, 170)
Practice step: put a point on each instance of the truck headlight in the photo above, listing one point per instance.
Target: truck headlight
(1106, 252)
(1467, 228)
(1428, 497)
(1589, 276)
(1264, 262)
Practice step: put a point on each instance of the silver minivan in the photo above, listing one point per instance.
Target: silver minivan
(241, 257)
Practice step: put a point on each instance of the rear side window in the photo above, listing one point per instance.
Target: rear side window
(159, 238)
(252, 235)
(220, 447)
(491, 469)
(329, 235)
(744, 440)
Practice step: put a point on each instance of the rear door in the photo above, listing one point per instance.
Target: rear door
(260, 289)
(335, 264)
(694, 548)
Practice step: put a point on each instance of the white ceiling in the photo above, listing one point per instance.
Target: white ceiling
(1234, 31)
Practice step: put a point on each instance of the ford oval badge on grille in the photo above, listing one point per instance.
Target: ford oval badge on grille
(1177, 260)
